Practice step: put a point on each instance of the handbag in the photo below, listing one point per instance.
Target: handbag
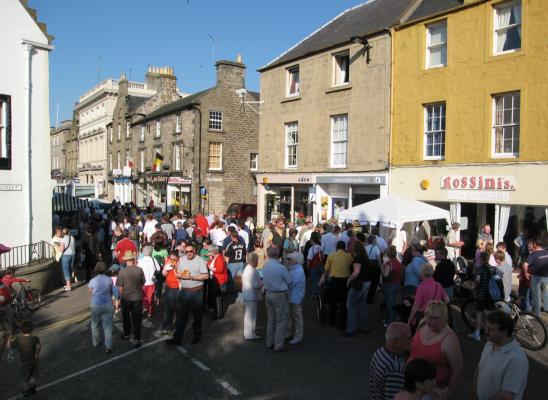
(59, 255)
(158, 277)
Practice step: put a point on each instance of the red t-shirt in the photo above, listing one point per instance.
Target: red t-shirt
(218, 266)
(201, 222)
(123, 246)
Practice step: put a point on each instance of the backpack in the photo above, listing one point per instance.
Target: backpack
(496, 288)
(316, 261)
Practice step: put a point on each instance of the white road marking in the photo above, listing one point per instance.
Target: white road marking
(228, 387)
(118, 325)
(147, 323)
(157, 334)
(81, 372)
(200, 364)
(181, 350)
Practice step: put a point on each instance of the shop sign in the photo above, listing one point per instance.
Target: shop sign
(478, 196)
(126, 171)
(286, 179)
(479, 182)
(10, 188)
(352, 180)
(116, 172)
(157, 179)
(179, 180)
(122, 180)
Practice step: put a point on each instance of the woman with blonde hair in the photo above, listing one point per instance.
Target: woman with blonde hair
(428, 290)
(436, 343)
(480, 248)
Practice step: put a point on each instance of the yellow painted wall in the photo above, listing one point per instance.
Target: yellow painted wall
(467, 83)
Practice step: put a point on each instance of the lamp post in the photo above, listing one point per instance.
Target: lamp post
(166, 166)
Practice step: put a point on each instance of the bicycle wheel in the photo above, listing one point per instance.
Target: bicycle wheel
(32, 299)
(16, 313)
(468, 313)
(530, 331)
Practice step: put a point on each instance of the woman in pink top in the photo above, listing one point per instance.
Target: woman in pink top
(428, 290)
(436, 343)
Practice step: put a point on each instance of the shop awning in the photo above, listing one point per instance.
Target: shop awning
(65, 202)
(393, 211)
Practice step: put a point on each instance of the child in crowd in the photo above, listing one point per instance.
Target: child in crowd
(28, 346)
(113, 270)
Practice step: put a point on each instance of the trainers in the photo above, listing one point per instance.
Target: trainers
(295, 341)
(474, 336)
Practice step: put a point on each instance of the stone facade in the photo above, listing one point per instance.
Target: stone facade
(58, 139)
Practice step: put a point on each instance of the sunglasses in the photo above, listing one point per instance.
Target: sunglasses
(189, 251)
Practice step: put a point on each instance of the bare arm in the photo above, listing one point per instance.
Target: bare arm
(354, 275)
(451, 349)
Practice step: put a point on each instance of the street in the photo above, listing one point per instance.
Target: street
(222, 366)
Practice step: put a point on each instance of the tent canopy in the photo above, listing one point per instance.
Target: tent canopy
(393, 211)
(66, 202)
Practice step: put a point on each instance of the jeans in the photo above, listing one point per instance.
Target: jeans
(101, 315)
(450, 292)
(539, 287)
(188, 302)
(356, 305)
(233, 269)
(66, 265)
(132, 317)
(170, 306)
(375, 278)
(314, 275)
(390, 292)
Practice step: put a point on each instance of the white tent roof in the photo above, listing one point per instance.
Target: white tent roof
(393, 211)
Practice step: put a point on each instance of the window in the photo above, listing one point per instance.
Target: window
(5, 132)
(254, 161)
(110, 161)
(158, 129)
(339, 140)
(216, 120)
(141, 161)
(293, 83)
(119, 132)
(342, 68)
(128, 159)
(506, 124)
(177, 156)
(434, 131)
(291, 144)
(215, 156)
(507, 35)
(142, 139)
(118, 160)
(436, 45)
(110, 135)
(178, 124)
(127, 130)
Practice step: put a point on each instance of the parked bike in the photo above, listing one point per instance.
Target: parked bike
(25, 297)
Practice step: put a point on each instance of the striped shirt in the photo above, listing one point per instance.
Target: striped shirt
(386, 375)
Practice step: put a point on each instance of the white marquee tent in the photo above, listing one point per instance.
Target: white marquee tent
(393, 211)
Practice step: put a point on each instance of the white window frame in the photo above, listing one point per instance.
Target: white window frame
(111, 134)
(141, 160)
(110, 161)
(210, 168)
(177, 156)
(337, 139)
(215, 120)
(297, 89)
(441, 45)
(253, 161)
(426, 132)
(119, 131)
(126, 164)
(291, 146)
(513, 125)
(143, 129)
(497, 29)
(158, 129)
(341, 77)
(118, 159)
(177, 124)
(127, 130)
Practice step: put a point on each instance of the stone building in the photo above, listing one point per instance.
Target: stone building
(204, 141)
(93, 111)
(325, 123)
(58, 139)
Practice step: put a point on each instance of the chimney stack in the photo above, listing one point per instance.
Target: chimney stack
(161, 79)
(231, 73)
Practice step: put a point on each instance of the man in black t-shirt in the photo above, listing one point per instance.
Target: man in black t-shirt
(537, 267)
(235, 254)
(445, 271)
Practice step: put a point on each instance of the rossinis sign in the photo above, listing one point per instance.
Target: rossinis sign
(478, 182)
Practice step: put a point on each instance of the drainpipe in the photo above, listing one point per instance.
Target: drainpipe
(196, 106)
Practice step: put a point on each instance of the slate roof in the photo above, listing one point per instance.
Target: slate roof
(432, 7)
(363, 20)
(134, 102)
(177, 105)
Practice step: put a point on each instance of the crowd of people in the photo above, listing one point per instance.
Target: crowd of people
(193, 265)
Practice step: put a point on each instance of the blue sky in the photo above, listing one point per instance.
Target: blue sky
(120, 35)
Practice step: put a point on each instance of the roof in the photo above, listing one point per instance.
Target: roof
(134, 102)
(432, 7)
(176, 105)
(363, 20)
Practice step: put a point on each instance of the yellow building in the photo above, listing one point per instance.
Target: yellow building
(469, 120)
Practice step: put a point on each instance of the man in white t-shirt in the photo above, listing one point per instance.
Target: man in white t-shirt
(150, 227)
(506, 269)
(400, 242)
(453, 243)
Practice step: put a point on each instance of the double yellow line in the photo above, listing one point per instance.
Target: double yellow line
(72, 320)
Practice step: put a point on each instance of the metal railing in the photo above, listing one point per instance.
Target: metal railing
(21, 256)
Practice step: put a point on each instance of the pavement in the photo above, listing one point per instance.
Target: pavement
(223, 366)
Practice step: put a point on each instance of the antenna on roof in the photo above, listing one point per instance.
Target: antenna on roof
(57, 116)
(99, 70)
(212, 46)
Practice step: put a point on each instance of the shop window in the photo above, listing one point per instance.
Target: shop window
(293, 82)
(254, 161)
(216, 120)
(507, 24)
(339, 140)
(291, 144)
(506, 121)
(434, 131)
(215, 156)
(436, 45)
(341, 68)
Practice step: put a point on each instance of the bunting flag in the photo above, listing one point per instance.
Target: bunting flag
(130, 162)
(158, 158)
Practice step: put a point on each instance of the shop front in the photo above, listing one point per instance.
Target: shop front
(179, 194)
(170, 192)
(320, 196)
(123, 186)
(512, 199)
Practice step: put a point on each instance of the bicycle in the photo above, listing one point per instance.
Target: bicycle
(529, 329)
(25, 297)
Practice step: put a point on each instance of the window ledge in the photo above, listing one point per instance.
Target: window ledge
(434, 158)
(504, 155)
(157, 137)
(215, 171)
(339, 88)
(292, 98)
(215, 130)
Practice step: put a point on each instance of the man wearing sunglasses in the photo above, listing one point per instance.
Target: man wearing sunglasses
(192, 272)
